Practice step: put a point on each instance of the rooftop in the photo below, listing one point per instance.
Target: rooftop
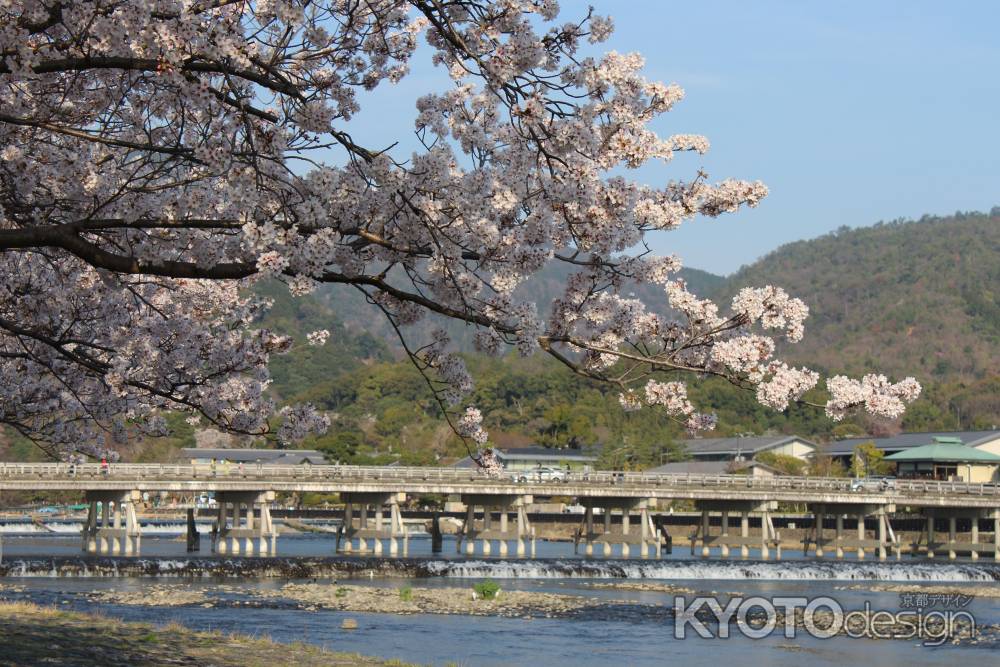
(909, 440)
(733, 445)
(946, 450)
(710, 467)
(538, 453)
(533, 454)
(274, 456)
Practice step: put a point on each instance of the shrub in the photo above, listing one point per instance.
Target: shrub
(341, 593)
(406, 593)
(486, 589)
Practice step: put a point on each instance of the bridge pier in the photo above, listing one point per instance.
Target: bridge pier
(647, 538)
(244, 518)
(974, 547)
(884, 539)
(116, 532)
(724, 540)
(524, 531)
(391, 533)
(193, 538)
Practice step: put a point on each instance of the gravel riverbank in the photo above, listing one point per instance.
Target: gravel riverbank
(34, 635)
(369, 599)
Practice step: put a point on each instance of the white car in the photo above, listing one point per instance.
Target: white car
(541, 474)
(874, 484)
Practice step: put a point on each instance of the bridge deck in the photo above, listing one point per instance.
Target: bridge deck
(187, 478)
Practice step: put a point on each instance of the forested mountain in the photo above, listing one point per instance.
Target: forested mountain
(914, 298)
(917, 298)
(350, 307)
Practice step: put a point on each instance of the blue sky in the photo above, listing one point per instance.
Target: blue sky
(851, 112)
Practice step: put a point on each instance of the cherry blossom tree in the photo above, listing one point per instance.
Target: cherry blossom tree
(160, 156)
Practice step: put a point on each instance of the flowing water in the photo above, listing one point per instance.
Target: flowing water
(49, 569)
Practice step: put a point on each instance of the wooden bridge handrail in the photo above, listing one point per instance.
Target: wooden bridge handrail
(402, 474)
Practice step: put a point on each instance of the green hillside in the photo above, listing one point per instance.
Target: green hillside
(903, 298)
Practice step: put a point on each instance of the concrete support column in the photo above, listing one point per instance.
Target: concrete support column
(363, 542)
(607, 532)
(588, 522)
(724, 533)
(840, 536)
(90, 529)
(881, 535)
(248, 542)
(765, 553)
(996, 535)
(348, 527)
(234, 543)
(378, 527)
(930, 536)
(487, 523)
(952, 530)
(102, 542)
(861, 536)
(520, 530)
(626, 552)
(644, 532)
(819, 534)
(116, 542)
(395, 526)
(656, 535)
(705, 524)
(503, 531)
(221, 528)
(131, 529)
(975, 538)
(470, 523)
(744, 534)
(265, 527)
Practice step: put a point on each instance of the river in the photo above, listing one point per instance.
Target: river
(629, 632)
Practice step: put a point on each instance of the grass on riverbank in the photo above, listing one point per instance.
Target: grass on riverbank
(35, 635)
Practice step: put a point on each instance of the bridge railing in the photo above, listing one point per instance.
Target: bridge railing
(402, 474)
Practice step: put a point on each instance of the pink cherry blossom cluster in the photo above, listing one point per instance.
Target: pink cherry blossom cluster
(318, 338)
(470, 425)
(489, 463)
(160, 158)
(879, 396)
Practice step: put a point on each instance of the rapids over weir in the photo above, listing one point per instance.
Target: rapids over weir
(553, 568)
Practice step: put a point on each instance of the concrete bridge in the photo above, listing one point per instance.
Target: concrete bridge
(372, 497)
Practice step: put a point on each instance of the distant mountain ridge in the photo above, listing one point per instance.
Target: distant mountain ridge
(359, 317)
(904, 298)
(915, 298)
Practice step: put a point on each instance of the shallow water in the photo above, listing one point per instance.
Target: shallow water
(624, 634)
(614, 639)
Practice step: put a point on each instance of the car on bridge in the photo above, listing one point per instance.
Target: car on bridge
(540, 474)
(874, 484)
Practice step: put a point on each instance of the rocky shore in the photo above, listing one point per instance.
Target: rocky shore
(928, 589)
(369, 599)
(34, 635)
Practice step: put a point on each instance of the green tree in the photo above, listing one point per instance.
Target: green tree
(786, 463)
(868, 460)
